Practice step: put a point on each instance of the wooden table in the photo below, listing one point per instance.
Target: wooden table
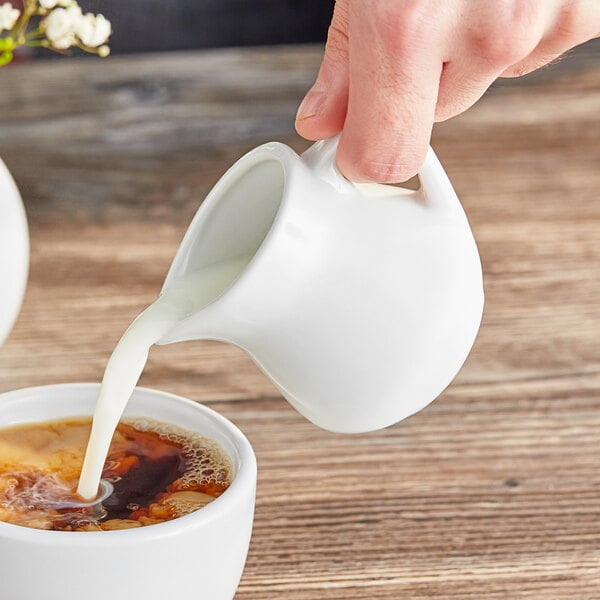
(491, 492)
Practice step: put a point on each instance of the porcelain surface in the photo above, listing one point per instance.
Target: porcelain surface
(361, 302)
(14, 252)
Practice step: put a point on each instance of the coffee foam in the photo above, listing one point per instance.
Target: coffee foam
(206, 463)
(184, 503)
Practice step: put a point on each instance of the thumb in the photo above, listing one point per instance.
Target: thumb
(323, 110)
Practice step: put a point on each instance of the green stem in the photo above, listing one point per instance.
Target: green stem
(30, 8)
(45, 44)
(34, 33)
(85, 48)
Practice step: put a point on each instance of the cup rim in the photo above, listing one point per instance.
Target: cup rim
(244, 479)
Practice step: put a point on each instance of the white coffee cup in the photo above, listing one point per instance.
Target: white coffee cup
(14, 252)
(199, 555)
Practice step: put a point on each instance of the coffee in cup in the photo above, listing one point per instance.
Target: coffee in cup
(155, 471)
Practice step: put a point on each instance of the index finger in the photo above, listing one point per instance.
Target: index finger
(394, 81)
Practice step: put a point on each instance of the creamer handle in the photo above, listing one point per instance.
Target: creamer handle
(435, 187)
(320, 159)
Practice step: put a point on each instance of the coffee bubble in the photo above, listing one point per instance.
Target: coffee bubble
(206, 462)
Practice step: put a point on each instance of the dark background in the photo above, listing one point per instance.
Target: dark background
(157, 25)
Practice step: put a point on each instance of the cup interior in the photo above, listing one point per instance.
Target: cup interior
(236, 217)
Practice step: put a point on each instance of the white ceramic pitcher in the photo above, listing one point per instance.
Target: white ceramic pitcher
(361, 302)
(14, 252)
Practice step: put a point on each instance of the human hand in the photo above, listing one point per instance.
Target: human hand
(394, 67)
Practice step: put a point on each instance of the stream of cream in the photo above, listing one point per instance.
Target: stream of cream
(189, 295)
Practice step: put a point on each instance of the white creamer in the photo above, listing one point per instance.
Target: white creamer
(359, 302)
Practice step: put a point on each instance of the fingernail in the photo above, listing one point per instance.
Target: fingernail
(312, 102)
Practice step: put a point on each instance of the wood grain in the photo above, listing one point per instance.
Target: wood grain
(491, 492)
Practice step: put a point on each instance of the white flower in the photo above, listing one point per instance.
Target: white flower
(61, 25)
(93, 30)
(8, 16)
(52, 3)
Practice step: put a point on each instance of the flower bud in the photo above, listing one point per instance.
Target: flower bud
(8, 16)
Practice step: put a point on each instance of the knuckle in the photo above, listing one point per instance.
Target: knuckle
(392, 155)
(499, 50)
(568, 23)
(404, 26)
(576, 23)
(507, 38)
(394, 170)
